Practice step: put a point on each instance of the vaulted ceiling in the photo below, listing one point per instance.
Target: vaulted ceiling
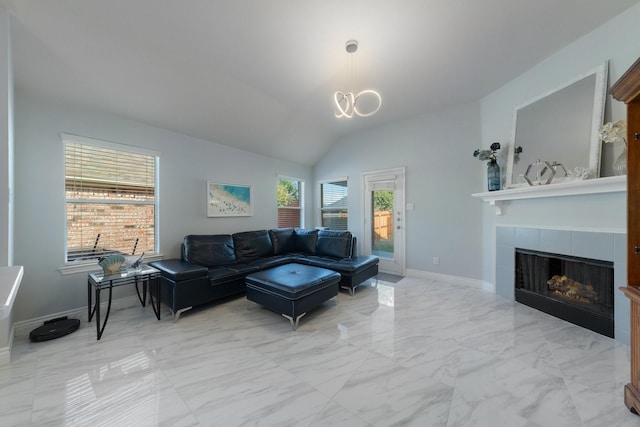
(260, 75)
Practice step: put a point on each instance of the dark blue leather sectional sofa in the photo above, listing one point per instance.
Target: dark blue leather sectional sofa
(214, 267)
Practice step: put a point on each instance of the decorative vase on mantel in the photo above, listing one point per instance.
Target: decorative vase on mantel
(620, 165)
(615, 132)
(493, 169)
(493, 175)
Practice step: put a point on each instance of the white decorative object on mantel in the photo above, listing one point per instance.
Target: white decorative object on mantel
(612, 184)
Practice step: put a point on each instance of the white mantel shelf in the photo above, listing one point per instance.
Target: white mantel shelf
(612, 184)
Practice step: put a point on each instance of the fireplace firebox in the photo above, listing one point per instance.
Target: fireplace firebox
(578, 290)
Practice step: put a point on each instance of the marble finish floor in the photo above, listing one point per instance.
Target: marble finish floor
(415, 353)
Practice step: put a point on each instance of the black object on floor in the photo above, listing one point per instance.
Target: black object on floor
(54, 328)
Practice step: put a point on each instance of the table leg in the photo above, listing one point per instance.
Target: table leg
(143, 298)
(156, 287)
(97, 313)
(89, 307)
(100, 329)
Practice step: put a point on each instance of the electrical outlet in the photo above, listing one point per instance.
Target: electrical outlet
(436, 260)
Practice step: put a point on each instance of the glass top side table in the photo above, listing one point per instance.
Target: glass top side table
(145, 275)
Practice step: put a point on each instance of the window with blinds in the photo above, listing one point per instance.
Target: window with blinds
(333, 209)
(111, 199)
(290, 202)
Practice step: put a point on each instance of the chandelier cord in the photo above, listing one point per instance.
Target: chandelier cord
(352, 73)
(346, 103)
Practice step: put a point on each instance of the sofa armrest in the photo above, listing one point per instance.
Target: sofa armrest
(178, 270)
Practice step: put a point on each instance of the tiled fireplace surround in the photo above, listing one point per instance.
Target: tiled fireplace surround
(606, 246)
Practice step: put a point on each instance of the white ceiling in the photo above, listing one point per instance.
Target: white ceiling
(260, 75)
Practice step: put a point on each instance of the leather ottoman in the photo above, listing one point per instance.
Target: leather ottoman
(292, 289)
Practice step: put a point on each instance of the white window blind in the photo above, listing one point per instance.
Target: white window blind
(386, 182)
(333, 199)
(111, 199)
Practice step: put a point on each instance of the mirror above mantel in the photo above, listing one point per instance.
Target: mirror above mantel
(562, 126)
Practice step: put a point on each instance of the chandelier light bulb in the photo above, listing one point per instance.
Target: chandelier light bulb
(346, 103)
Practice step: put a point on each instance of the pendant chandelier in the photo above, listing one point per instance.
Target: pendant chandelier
(346, 103)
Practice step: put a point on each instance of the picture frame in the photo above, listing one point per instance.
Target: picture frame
(229, 200)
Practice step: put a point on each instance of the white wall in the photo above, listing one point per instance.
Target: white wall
(185, 165)
(6, 142)
(441, 174)
(616, 42)
(6, 183)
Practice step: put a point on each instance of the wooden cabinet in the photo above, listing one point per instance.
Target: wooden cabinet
(627, 90)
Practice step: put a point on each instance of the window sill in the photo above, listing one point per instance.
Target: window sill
(85, 267)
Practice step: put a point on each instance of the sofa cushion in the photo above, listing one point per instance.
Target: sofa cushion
(252, 244)
(244, 269)
(283, 240)
(178, 269)
(269, 262)
(220, 275)
(334, 243)
(354, 265)
(305, 240)
(209, 250)
(317, 261)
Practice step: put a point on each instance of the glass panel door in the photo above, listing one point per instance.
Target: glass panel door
(384, 228)
(382, 225)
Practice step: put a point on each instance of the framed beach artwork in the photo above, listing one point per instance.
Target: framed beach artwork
(228, 200)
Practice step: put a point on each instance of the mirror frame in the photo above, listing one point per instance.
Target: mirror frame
(597, 118)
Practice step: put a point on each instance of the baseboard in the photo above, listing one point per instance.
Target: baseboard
(489, 287)
(5, 352)
(454, 280)
(23, 327)
(5, 356)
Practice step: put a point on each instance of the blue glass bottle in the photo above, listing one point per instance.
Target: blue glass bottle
(493, 175)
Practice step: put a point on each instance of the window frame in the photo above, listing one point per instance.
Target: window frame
(322, 209)
(301, 198)
(89, 264)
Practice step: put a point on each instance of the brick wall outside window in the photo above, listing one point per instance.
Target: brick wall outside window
(111, 199)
